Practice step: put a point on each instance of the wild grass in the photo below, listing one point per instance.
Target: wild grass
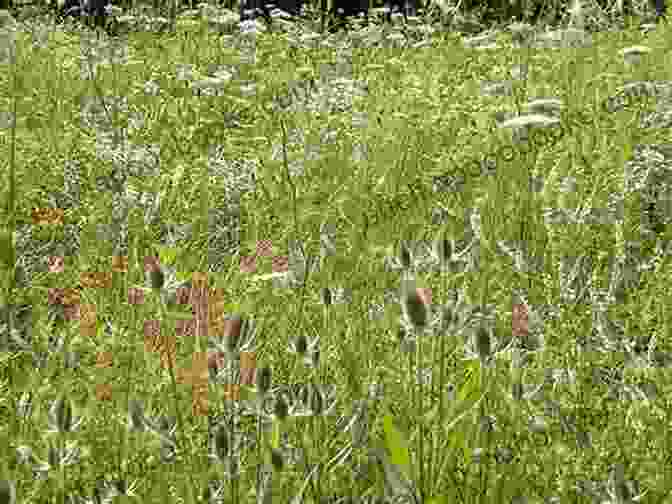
(368, 267)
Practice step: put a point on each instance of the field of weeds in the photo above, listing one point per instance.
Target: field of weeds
(395, 264)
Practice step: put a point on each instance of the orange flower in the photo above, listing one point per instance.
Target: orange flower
(44, 216)
(87, 319)
(120, 264)
(199, 280)
(70, 296)
(103, 359)
(519, 321)
(248, 368)
(232, 392)
(104, 392)
(95, 279)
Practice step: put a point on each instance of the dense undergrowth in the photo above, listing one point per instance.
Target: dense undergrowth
(396, 264)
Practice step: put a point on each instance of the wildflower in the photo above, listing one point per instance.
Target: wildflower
(136, 296)
(56, 264)
(95, 279)
(248, 264)
(414, 307)
(264, 248)
(103, 392)
(154, 272)
(119, 264)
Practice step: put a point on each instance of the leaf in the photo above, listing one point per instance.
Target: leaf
(472, 384)
(181, 276)
(167, 255)
(275, 438)
(268, 276)
(397, 445)
(179, 315)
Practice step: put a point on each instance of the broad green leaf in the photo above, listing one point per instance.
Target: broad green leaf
(182, 275)
(275, 439)
(472, 383)
(179, 315)
(167, 255)
(397, 445)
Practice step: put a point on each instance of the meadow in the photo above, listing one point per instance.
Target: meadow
(400, 263)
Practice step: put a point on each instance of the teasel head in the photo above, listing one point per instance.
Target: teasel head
(404, 255)
(443, 248)
(301, 345)
(277, 459)
(220, 442)
(281, 408)
(327, 298)
(483, 343)
(264, 380)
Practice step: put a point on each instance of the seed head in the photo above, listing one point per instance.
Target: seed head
(404, 255)
(221, 443)
(442, 250)
(264, 379)
(232, 331)
(326, 296)
(483, 343)
(281, 409)
(301, 344)
(157, 278)
(277, 459)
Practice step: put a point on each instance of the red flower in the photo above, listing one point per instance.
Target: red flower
(425, 295)
(248, 264)
(152, 264)
(55, 296)
(519, 321)
(280, 264)
(136, 296)
(264, 248)
(56, 264)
